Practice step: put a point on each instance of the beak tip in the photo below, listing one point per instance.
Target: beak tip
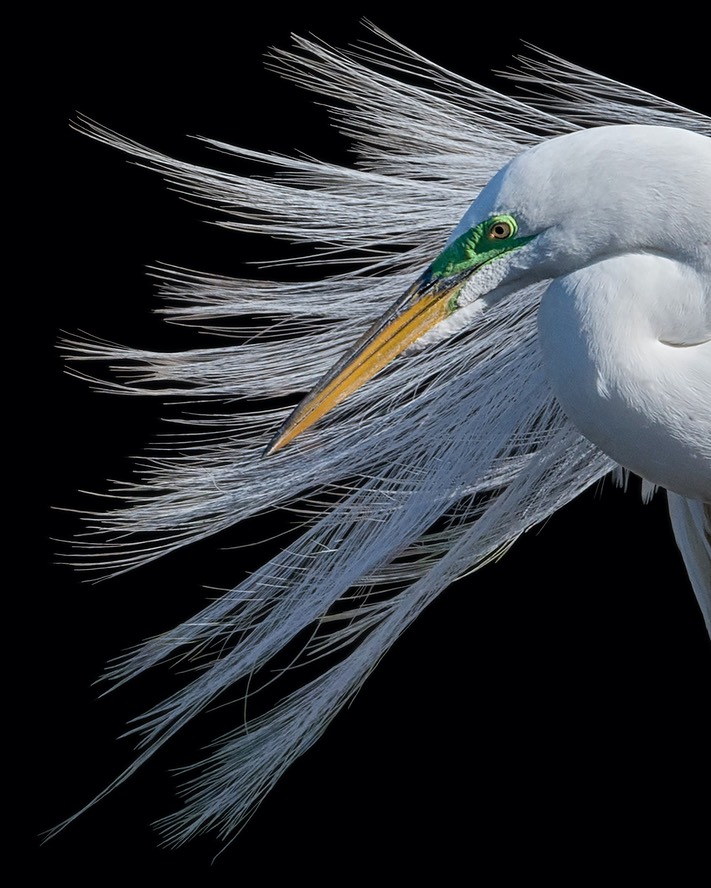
(276, 444)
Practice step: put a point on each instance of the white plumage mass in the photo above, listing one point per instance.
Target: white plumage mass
(440, 462)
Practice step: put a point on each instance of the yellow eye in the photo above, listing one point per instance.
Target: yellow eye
(500, 229)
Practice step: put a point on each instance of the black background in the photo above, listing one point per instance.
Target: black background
(548, 712)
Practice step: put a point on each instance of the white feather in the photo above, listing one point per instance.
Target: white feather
(691, 521)
(396, 532)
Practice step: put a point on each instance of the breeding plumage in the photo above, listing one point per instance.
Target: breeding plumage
(434, 467)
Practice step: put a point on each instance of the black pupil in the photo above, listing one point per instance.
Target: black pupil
(500, 230)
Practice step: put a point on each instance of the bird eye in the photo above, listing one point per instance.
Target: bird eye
(500, 229)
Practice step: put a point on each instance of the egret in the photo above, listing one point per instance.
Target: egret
(560, 331)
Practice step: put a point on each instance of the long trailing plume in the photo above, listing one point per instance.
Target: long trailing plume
(428, 472)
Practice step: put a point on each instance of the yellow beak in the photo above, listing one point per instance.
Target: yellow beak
(427, 302)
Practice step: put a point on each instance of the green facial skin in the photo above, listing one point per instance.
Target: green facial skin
(478, 246)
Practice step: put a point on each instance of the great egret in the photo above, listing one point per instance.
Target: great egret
(388, 532)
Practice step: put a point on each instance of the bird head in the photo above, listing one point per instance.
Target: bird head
(555, 208)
